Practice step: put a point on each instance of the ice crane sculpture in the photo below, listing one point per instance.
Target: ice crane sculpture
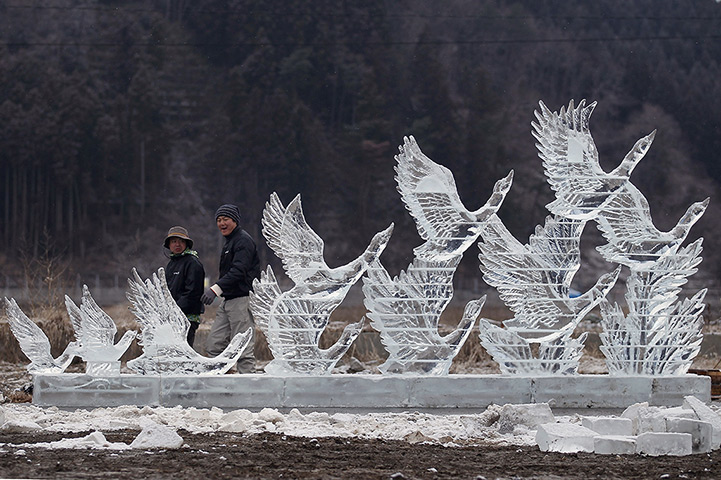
(406, 309)
(35, 344)
(294, 320)
(534, 282)
(164, 332)
(429, 192)
(95, 334)
(658, 335)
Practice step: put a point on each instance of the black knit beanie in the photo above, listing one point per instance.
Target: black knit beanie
(228, 210)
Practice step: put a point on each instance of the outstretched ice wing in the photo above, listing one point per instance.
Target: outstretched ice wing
(406, 309)
(627, 225)
(162, 320)
(33, 341)
(91, 324)
(525, 282)
(428, 191)
(292, 239)
(571, 163)
(565, 145)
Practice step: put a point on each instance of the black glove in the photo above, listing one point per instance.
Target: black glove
(208, 297)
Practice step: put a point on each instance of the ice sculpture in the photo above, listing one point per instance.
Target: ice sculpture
(571, 163)
(534, 282)
(35, 344)
(430, 195)
(294, 320)
(406, 310)
(95, 334)
(659, 335)
(164, 332)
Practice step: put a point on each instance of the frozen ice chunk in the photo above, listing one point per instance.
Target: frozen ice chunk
(530, 415)
(294, 320)
(565, 438)
(702, 432)
(157, 436)
(645, 418)
(614, 445)
(679, 412)
(609, 425)
(664, 443)
(705, 414)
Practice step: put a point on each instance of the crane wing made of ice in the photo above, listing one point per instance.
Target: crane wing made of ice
(429, 192)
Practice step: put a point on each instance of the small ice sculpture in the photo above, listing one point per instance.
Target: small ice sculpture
(35, 344)
(658, 336)
(95, 334)
(534, 282)
(406, 310)
(430, 195)
(294, 320)
(164, 334)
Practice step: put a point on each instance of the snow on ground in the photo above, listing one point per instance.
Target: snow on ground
(415, 427)
(163, 427)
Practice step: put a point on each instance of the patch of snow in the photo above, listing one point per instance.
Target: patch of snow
(157, 436)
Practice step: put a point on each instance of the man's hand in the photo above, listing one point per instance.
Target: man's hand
(208, 297)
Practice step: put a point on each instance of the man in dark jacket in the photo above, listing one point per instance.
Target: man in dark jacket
(239, 265)
(185, 276)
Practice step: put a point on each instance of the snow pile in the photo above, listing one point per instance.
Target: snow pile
(95, 440)
(157, 436)
(414, 427)
(507, 425)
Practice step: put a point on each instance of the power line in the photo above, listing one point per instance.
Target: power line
(285, 13)
(368, 43)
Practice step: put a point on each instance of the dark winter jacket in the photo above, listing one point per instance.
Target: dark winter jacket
(186, 276)
(239, 264)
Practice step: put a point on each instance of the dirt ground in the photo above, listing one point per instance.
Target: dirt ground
(271, 456)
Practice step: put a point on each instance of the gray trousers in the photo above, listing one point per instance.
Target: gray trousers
(233, 316)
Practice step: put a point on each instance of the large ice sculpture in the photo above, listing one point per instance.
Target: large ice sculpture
(294, 320)
(406, 310)
(430, 195)
(164, 334)
(534, 282)
(95, 334)
(35, 344)
(658, 335)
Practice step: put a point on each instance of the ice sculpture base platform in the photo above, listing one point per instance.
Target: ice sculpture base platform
(365, 392)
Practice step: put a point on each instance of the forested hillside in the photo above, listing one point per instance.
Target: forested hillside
(121, 119)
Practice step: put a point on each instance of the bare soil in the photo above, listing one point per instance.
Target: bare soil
(271, 456)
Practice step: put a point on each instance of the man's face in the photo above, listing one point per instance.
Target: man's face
(176, 245)
(226, 225)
